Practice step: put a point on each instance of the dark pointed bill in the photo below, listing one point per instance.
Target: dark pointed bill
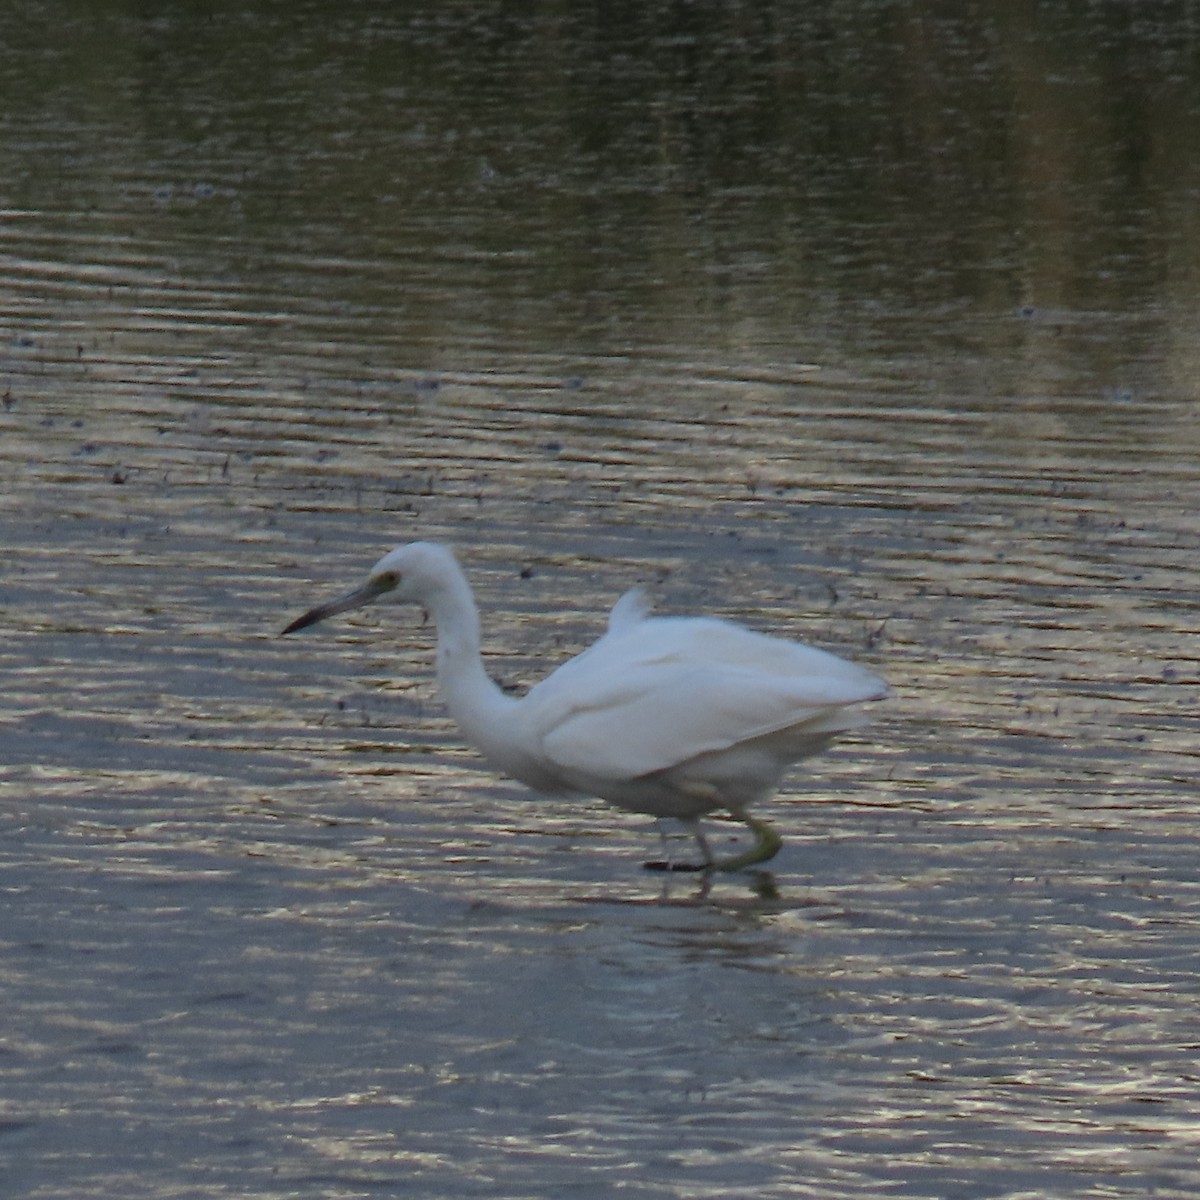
(371, 590)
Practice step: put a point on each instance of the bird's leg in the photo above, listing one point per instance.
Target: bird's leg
(766, 845)
(664, 863)
(662, 838)
(667, 864)
(701, 841)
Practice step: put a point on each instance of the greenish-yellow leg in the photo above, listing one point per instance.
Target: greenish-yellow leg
(766, 846)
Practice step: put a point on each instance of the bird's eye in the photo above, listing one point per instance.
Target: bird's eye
(387, 580)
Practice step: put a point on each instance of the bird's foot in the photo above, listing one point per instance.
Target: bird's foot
(664, 864)
(766, 845)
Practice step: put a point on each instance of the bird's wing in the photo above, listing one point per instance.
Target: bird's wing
(671, 689)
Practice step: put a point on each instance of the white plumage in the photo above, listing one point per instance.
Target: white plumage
(671, 716)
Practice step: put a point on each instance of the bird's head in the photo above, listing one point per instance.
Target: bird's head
(415, 574)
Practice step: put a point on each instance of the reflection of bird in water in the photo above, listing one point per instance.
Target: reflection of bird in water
(671, 716)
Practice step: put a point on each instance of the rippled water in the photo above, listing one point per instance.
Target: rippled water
(877, 331)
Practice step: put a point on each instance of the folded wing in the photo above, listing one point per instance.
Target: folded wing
(654, 693)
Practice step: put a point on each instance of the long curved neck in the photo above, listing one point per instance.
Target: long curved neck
(474, 701)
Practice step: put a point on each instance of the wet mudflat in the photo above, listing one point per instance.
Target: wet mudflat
(719, 313)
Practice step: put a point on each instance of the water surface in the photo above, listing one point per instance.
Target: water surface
(874, 327)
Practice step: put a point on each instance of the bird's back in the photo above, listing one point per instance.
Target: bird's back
(656, 692)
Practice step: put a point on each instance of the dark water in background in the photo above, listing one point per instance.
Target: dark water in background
(875, 325)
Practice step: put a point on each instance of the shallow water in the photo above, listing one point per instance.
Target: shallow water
(876, 329)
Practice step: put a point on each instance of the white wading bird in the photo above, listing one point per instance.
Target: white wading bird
(671, 716)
